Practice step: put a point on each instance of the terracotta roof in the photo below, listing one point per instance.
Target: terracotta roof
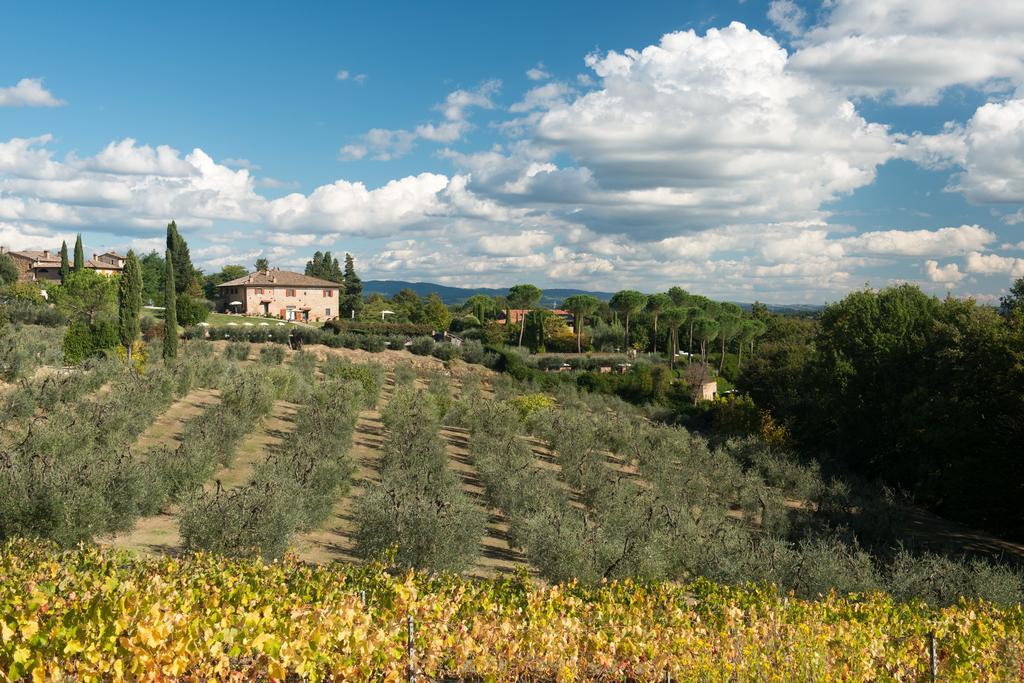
(44, 259)
(282, 278)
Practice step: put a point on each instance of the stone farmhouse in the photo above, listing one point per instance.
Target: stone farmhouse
(281, 294)
(44, 266)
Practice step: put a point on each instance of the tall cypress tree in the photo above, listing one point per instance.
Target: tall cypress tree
(129, 303)
(65, 267)
(178, 249)
(170, 310)
(79, 254)
(351, 285)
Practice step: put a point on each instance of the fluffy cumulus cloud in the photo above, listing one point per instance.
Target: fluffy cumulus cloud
(941, 242)
(132, 189)
(28, 92)
(995, 264)
(948, 274)
(911, 50)
(993, 156)
(704, 130)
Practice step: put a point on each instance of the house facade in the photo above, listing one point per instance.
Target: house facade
(281, 294)
(44, 266)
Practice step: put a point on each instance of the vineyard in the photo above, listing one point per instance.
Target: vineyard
(520, 534)
(101, 614)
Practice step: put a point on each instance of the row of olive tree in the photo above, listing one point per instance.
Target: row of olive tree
(417, 510)
(640, 500)
(294, 489)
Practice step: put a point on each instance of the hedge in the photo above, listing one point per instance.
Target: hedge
(358, 327)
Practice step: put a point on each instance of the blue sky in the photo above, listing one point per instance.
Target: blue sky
(781, 151)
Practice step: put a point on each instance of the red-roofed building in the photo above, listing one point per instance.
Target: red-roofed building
(44, 266)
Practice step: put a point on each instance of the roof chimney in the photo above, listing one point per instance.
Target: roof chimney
(46, 253)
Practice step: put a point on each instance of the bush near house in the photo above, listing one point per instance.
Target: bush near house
(359, 327)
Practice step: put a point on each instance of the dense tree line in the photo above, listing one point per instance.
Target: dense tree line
(925, 393)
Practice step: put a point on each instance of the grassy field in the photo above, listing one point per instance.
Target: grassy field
(224, 319)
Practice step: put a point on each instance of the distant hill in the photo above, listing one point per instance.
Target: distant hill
(457, 295)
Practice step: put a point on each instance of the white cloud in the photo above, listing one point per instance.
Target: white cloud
(520, 244)
(788, 16)
(384, 144)
(941, 242)
(538, 73)
(913, 50)
(347, 207)
(144, 245)
(240, 163)
(380, 144)
(125, 157)
(542, 97)
(135, 190)
(705, 130)
(345, 74)
(28, 92)
(993, 160)
(948, 274)
(994, 264)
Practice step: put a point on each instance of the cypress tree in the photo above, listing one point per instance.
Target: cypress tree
(352, 286)
(129, 303)
(65, 267)
(79, 254)
(177, 247)
(170, 310)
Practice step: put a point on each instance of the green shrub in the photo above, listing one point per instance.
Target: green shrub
(376, 328)
(272, 355)
(237, 350)
(84, 341)
(369, 376)
(251, 521)
(191, 311)
(472, 351)
(372, 343)
(405, 375)
(422, 346)
(446, 351)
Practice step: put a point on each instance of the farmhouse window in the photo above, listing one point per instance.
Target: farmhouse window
(289, 292)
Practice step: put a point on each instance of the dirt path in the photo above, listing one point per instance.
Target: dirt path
(944, 536)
